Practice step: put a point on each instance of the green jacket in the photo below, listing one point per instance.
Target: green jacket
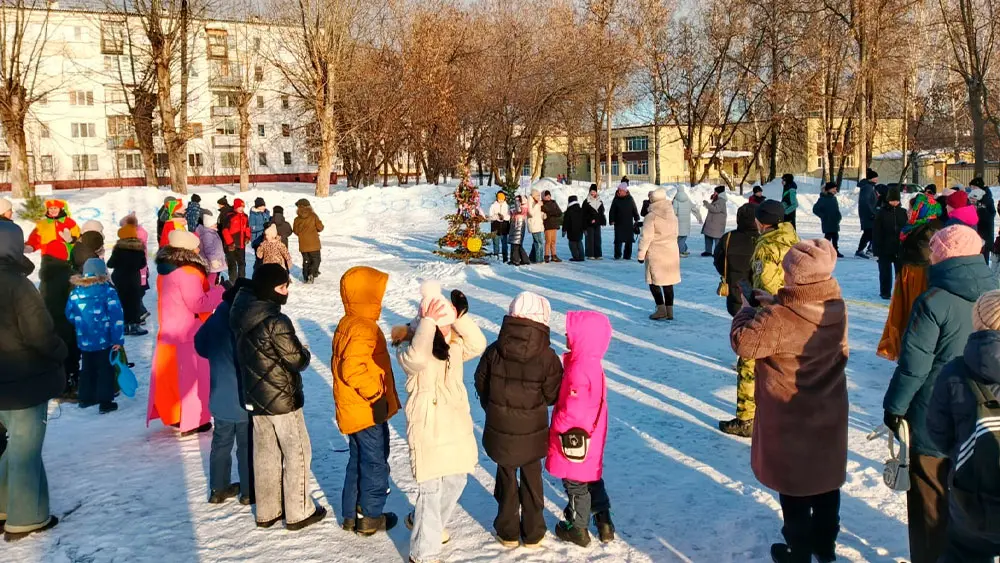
(765, 264)
(939, 327)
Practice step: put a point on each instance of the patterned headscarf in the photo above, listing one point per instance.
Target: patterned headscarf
(923, 211)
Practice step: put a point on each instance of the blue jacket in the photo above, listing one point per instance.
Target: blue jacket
(193, 215)
(939, 327)
(828, 210)
(215, 342)
(951, 419)
(94, 309)
(258, 221)
(866, 204)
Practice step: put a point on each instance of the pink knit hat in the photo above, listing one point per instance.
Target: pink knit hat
(955, 241)
(531, 306)
(986, 311)
(809, 261)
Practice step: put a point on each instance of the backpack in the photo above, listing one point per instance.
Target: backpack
(975, 482)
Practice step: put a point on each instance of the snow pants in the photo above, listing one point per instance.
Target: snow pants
(310, 264)
(522, 503)
(237, 262)
(593, 237)
(585, 499)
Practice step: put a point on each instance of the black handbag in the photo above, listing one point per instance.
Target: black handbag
(575, 442)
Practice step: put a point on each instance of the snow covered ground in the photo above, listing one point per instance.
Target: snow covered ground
(680, 490)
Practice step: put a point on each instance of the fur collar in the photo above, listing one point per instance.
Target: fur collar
(178, 257)
(80, 281)
(130, 244)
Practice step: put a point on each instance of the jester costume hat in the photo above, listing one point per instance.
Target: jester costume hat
(923, 210)
(54, 236)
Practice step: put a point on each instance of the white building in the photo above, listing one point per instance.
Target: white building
(81, 135)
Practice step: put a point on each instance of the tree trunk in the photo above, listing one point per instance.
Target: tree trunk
(17, 144)
(244, 111)
(978, 117)
(607, 115)
(597, 147)
(144, 104)
(178, 171)
(656, 148)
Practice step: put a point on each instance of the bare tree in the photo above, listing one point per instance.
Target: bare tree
(24, 35)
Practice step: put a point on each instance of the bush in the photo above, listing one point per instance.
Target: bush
(33, 209)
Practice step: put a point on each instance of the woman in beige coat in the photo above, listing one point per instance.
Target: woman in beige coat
(658, 250)
(443, 449)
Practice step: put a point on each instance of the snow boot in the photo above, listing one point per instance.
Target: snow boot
(246, 501)
(737, 427)
(219, 497)
(15, 536)
(547, 259)
(566, 531)
(781, 553)
(105, 408)
(203, 428)
(507, 543)
(670, 312)
(533, 544)
(860, 254)
(369, 526)
(269, 523)
(316, 516)
(660, 314)
(408, 522)
(556, 259)
(136, 330)
(826, 555)
(706, 254)
(605, 527)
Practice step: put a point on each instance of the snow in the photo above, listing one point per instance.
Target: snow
(680, 490)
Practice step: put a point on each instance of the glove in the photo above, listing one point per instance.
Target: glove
(460, 301)
(380, 410)
(641, 261)
(892, 421)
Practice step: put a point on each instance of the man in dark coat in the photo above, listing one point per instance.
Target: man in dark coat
(31, 373)
(866, 211)
(594, 218)
(733, 253)
(517, 379)
(573, 228)
(828, 210)
(954, 422)
(889, 222)
(622, 216)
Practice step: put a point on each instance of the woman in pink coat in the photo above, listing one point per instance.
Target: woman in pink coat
(582, 409)
(179, 384)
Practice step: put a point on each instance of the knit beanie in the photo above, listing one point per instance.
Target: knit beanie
(128, 231)
(958, 199)
(223, 201)
(536, 194)
(658, 195)
(92, 225)
(810, 261)
(94, 267)
(183, 239)
(871, 174)
(238, 203)
(977, 182)
(531, 306)
(196, 198)
(266, 278)
(953, 242)
(259, 202)
(787, 178)
(770, 212)
(986, 311)
(208, 219)
(893, 194)
(278, 210)
(572, 199)
(5, 206)
(430, 296)
(930, 189)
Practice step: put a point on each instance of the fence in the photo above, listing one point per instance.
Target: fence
(964, 173)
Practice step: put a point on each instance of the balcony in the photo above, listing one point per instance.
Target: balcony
(121, 142)
(231, 80)
(225, 141)
(223, 111)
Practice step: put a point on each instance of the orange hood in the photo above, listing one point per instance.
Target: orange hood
(362, 289)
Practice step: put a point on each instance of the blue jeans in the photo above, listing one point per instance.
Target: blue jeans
(97, 378)
(537, 246)
(220, 461)
(366, 482)
(500, 245)
(24, 488)
(710, 244)
(436, 501)
(682, 244)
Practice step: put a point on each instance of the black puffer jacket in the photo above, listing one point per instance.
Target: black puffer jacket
(733, 253)
(270, 356)
(916, 248)
(623, 215)
(889, 221)
(517, 379)
(31, 355)
(573, 226)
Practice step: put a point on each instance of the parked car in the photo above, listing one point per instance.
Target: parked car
(906, 188)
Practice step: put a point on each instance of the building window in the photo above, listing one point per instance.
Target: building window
(46, 162)
(218, 44)
(195, 160)
(226, 127)
(258, 73)
(526, 171)
(260, 130)
(256, 43)
(286, 130)
(262, 158)
(260, 102)
(849, 161)
(230, 160)
(4, 163)
(114, 95)
(109, 63)
(614, 167)
(162, 162)
(43, 131)
(196, 130)
(79, 33)
(81, 98)
(637, 144)
(637, 168)
(119, 126)
(285, 104)
(79, 130)
(129, 161)
(312, 158)
(820, 163)
(84, 162)
(287, 158)
(112, 37)
(225, 99)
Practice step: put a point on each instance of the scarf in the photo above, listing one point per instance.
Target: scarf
(595, 202)
(922, 212)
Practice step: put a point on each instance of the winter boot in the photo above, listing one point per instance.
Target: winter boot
(706, 254)
(566, 531)
(781, 553)
(737, 427)
(369, 526)
(135, 330)
(316, 516)
(605, 527)
(269, 523)
(670, 312)
(15, 536)
(556, 259)
(860, 254)
(547, 259)
(507, 543)
(660, 314)
(203, 428)
(219, 497)
(825, 555)
(246, 501)
(105, 408)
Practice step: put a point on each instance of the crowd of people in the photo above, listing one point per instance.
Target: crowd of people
(228, 360)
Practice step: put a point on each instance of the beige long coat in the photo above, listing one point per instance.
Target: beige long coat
(658, 246)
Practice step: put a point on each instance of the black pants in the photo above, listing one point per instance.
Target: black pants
(593, 241)
(790, 218)
(927, 507)
(966, 548)
(97, 378)
(866, 240)
(628, 250)
(885, 271)
(811, 523)
(237, 262)
(834, 239)
(310, 264)
(662, 294)
(518, 257)
(576, 249)
(522, 503)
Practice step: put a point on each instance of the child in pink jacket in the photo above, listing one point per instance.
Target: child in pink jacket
(582, 409)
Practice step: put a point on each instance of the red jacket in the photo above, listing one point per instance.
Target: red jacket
(237, 231)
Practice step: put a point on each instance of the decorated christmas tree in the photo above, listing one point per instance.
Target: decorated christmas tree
(464, 241)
